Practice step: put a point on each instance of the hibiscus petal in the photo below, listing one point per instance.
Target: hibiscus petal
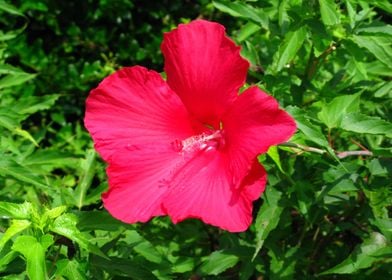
(203, 189)
(252, 124)
(137, 182)
(204, 68)
(134, 107)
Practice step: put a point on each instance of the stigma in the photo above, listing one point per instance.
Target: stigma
(206, 141)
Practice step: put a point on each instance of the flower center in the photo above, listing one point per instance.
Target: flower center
(203, 142)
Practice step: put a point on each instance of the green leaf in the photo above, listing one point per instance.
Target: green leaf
(14, 79)
(379, 46)
(385, 89)
(274, 155)
(360, 123)
(239, 9)
(98, 220)
(9, 167)
(283, 263)
(289, 48)
(329, 12)
(10, 9)
(379, 28)
(32, 104)
(9, 119)
(268, 217)
(218, 262)
(332, 113)
(34, 252)
(143, 246)
(15, 227)
(70, 269)
(247, 30)
(11, 210)
(306, 127)
(88, 172)
(364, 255)
(123, 267)
(65, 225)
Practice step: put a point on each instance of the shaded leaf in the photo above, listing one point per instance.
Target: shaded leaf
(364, 255)
(65, 225)
(268, 217)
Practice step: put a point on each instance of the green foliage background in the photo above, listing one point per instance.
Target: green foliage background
(326, 212)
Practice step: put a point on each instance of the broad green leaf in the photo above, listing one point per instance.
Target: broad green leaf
(11, 210)
(98, 220)
(379, 28)
(9, 69)
(247, 30)
(25, 134)
(364, 255)
(332, 113)
(45, 159)
(360, 123)
(268, 217)
(15, 227)
(306, 127)
(386, 5)
(34, 252)
(55, 212)
(379, 46)
(88, 172)
(183, 264)
(218, 262)
(32, 104)
(289, 48)
(385, 226)
(239, 9)
(283, 263)
(9, 167)
(274, 155)
(124, 267)
(9, 119)
(65, 225)
(10, 9)
(70, 269)
(142, 246)
(386, 89)
(329, 12)
(15, 79)
(7, 256)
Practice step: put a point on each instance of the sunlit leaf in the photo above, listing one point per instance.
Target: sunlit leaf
(34, 252)
(332, 113)
(218, 262)
(289, 48)
(360, 123)
(329, 12)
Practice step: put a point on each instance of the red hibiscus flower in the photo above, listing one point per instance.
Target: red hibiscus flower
(186, 147)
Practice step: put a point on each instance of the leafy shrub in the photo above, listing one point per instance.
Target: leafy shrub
(326, 211)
